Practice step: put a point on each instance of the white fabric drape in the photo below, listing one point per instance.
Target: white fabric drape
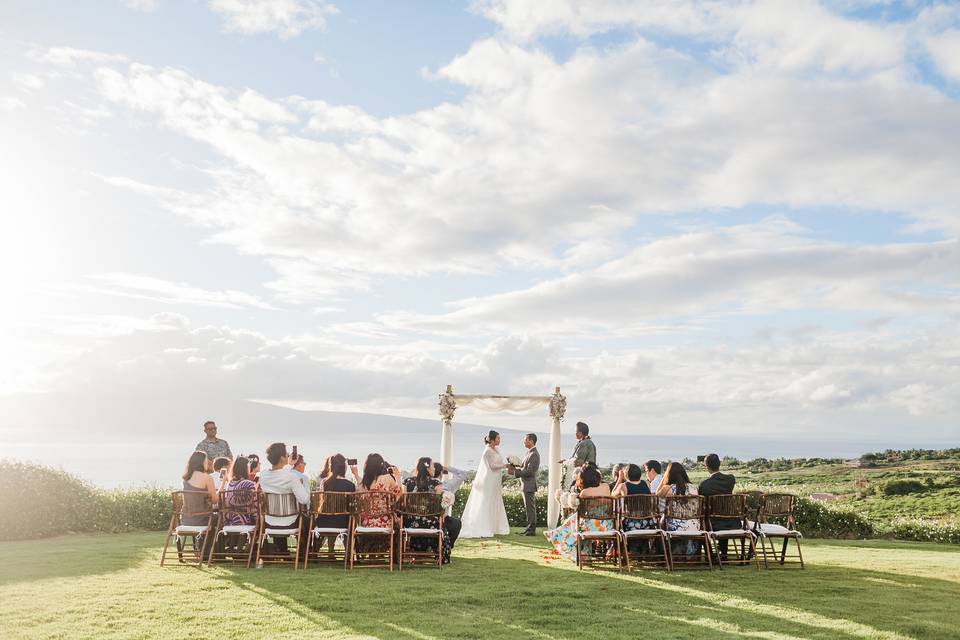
(510, 405)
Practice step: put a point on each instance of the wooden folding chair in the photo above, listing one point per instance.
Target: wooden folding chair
(643, 507)
(367, 505)
(334, 504)
(687, 509)
(279, 505)
(420, 505)
(189, 504)
(779, 506)
(729, 510)
(234, 538)
(601, 542)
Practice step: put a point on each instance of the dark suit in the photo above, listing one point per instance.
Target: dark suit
(719, 484)
(527, 473)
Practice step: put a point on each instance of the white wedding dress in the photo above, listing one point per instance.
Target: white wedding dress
(484, 515)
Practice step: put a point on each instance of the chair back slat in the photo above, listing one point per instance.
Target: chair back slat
(641, 507)
(333, 503)
(684, 507)
(194, 503)
(237, 503)
(777, 505)
(599, 508)
(729, 506)
(279, 505)
(420, 504)
(374, 504)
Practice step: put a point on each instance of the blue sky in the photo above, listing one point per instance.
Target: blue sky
(689, 215)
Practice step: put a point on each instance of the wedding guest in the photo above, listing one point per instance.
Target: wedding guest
(279, 479)
(714, 485)
(585, 451)
(196, 479)
(334, 480)
(422, 481)
(254, 467)
(240, 491)
(653, 470)
(631, 484)
(221, 467)
(451, 480)
(325, 471)
(590, 485)
(298, 470)
(615, 475)
(379, 476)
(676, 482)
(211, 445)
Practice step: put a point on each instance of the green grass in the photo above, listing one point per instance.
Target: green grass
(110, 586)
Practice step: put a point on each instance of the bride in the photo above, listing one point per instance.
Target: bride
(484, 515)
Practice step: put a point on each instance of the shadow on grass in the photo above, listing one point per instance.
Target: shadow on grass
(73, 556)
(508, 598)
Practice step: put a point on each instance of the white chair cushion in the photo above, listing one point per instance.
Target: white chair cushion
(641, 533)
(684, 534)
(730, 533)
(372, 530)
(597, 534)
(428, 532)
(186, 528)
(328, 530)
(239, 528)
(777, 530)
(281, 532)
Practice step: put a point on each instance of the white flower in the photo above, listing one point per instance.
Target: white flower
(514, 460)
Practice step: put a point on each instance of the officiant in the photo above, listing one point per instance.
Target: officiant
(584, 452)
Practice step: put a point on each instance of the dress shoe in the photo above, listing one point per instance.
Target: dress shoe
(529, 533)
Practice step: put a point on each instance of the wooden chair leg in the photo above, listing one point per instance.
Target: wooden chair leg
(799, 552)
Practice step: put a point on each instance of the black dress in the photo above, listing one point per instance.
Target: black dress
(336, 522)
(426, 522)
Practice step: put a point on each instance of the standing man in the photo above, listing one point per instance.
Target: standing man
(527, 473)
(585, 451)
(213, 446)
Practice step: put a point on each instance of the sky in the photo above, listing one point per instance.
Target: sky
(693, 217)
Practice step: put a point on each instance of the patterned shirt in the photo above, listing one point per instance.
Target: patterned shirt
(216, 449)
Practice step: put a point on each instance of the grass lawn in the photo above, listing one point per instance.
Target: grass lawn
(110, 586)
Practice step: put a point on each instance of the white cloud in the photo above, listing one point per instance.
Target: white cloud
(11, 103)
(27, 81)
(155, 289)
(944, 48)
(142, 5)
(71, 57)
(288, 18)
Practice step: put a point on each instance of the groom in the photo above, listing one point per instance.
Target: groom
(527, 473)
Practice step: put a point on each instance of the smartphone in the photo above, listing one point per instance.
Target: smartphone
(352, 462)
(701, 458)
(293, 456)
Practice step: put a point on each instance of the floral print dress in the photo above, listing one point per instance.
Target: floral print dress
(564, 538)
(381, 484)
(421, 544)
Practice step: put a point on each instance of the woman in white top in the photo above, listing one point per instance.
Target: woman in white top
(484, 515)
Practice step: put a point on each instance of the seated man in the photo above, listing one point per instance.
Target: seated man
(278, 479)
(715, 485)
(451, 480)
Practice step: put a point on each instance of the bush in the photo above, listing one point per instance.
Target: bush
(903, 487)
(924, 530)
(817, 520)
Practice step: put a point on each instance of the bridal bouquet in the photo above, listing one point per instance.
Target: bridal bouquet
(514, 460)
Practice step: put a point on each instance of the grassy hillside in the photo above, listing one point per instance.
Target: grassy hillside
(110, 586)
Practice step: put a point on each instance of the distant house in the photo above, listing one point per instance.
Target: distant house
(823, 497)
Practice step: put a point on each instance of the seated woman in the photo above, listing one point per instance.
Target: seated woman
(631, 483)
(334, 480)
(590, 485)
(378, 475)
(676, 482)
(422, 481)
(195, 480)
(241, 492)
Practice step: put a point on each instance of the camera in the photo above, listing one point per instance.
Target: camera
(352, 462)
(293, 455)
(701, 458)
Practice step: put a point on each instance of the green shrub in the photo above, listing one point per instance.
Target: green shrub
(903, 487)
(924, 530)
(817, 520)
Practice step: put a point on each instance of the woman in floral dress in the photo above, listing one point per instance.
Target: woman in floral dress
(590, 485)
(676, 482)
(378, 476)
(423, 482)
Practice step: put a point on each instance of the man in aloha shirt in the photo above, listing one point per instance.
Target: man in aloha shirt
(213, 446)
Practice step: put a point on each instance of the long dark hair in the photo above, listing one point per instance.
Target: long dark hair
(677, 476)
(372, 469)
(589, 477)
(196, 462)
(336, 466)
(422, 476)
(240, 469)
(490, 437)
